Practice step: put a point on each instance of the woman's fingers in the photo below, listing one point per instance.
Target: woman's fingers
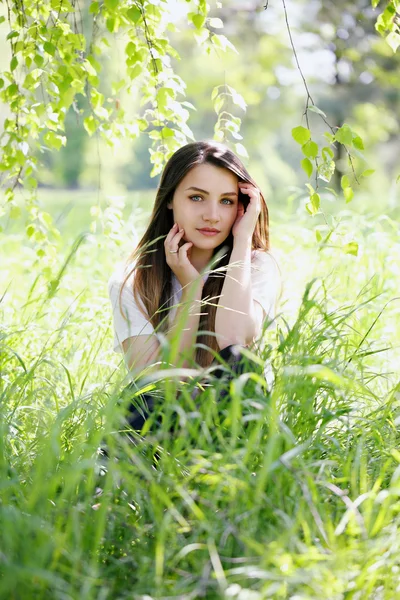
(173, 238)
(184, 249)
(171, 233)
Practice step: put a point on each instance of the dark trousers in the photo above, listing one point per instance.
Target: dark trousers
(231, 355)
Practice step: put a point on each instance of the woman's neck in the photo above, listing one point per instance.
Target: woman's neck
(200, 258)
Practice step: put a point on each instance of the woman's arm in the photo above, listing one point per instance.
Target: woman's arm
(144, 351)
(238, 316)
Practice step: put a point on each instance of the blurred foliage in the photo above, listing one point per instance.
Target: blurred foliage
(129, 75)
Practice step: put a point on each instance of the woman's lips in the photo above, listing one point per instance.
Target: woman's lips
(208, 232)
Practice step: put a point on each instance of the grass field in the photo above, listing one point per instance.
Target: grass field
(292, 494)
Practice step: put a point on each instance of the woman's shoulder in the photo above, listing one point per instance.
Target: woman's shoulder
(264, 258)
(120, 273)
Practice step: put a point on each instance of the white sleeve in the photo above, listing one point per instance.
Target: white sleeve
(134, 322)
(266, 283)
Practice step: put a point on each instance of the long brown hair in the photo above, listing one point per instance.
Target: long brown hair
(152, 282)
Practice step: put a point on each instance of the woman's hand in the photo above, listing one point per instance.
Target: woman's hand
(246, 222)
(179, 262)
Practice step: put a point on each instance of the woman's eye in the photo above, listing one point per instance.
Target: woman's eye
(223, 200)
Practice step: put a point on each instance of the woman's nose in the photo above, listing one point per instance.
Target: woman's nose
(211, 213)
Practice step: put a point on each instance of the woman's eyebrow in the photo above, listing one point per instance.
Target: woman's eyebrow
(197, 189)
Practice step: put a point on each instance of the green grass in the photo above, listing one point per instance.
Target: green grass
(292, 494)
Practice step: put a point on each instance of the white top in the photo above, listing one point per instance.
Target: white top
(265, 283)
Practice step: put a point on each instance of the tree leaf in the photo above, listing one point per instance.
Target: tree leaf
(134, 14)
(351, 248)
(317, 110)
(393, 39)
(12, 34)
(301, 135)
(358, 143)
(198, 21)
(310, 149)
(326, 150)
(94, 8)
(14, 63)
(49, 48)
(344, 182)
(237, 98)
(90, 124)
(315, 201)
(348, 194)
(326, 170)
(219, 101)
(368, 173)
(344, 135)
(306, 165)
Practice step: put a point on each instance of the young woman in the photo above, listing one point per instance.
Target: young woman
(204, 258)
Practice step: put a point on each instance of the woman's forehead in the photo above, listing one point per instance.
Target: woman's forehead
(209, 176)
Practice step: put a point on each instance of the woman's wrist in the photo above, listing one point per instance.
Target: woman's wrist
(243, 243)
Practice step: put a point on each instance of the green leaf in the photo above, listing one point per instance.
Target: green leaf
(306, 165)
(39, 60)
(14, 63)
(222, 42)
(198, 21)
(135, 71)
(310, 188)
(358, 143)
(344, 182)
(134, 14)
(30, 230)
(237, 98)
(94, 8)
(15, 212)
(49, 48)
(326, 150)
(1, 82)
(393, 39)
(167, 132)
(110, 24)
(348, 194)
(301, 135)
(218, 104)
(351, 248)
(310, 149)
(344, 135)
(368, 173)
(90, 125)
(13, 34)
(214, 93)
(318, 235)
(2, 19)
(332, 191)
(326, 170)
(317, 110)
(315, 201)
(53, 140)
(111, 4)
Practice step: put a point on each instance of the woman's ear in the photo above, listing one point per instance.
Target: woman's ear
(169, 205)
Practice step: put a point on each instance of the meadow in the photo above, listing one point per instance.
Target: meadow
(290, 493)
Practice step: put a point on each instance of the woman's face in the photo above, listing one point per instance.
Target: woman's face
(207, 197)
